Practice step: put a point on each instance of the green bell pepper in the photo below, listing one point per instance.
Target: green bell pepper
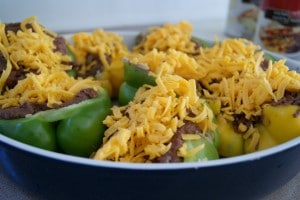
(202, 42)
(30, 130)
(76, 129)
(208, 152)
(126, 93)
(268, 56)
(71, 72)
(137, 76)
(134, 77)
(71, 54)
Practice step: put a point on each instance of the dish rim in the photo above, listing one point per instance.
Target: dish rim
(149, 166)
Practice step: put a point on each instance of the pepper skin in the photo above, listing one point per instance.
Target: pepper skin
(202, 42)
(134, 77)
(231, 143)
(265, 140)
(208, 152)
(76, 129)
(126, 93)
(282, 121)
(82, 132)
(30, 130)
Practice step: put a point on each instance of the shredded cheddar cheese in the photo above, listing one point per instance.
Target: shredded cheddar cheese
(169, 36)
(234, 76)
(172, 62)
(194, 151)
(109, 48)
(52, 89)
(142, 131)
(190, 136)
(6, 72)
(46, 81)
(33, 48)
(104, 44)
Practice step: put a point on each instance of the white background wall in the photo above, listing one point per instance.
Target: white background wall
(73, 15)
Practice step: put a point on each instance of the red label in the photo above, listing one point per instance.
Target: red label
(285, 12)
(290, 5)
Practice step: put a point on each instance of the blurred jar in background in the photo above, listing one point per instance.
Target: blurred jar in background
(278, 27)
(242, 18)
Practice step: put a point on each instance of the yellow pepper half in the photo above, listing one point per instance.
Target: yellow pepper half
(282, 121)
(231, 143)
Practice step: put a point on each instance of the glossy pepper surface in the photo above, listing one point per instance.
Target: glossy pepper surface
(207, 151)
(134, 77)
(76, 129)
(30, 130)
(231, 143)
(202, 42)
(282, 122)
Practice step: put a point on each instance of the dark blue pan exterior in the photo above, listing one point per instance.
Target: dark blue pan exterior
(59, 179)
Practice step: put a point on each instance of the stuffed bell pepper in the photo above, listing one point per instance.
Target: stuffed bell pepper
(161, 118)
(255, 96)
(166, 122)
(40, 103)
(170, 36)
(99, 55)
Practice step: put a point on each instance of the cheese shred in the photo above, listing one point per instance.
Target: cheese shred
(235, 76)
(168, 36)
(31, 49)
(152, 119)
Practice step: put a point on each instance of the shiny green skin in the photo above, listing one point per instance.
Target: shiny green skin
(209, 151)
(71, 72)
(71, 54)
(203, 43)
(82, 132)
(126, 93)
(269, 57)
(134, 77)
(31, 131)
(76, 129)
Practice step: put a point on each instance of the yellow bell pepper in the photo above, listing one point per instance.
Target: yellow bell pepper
(215, 105)
(231, 143)
(116, 75)
(265, 140)
(282, 121)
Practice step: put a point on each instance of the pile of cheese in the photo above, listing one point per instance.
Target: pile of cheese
(229, 71)
(46, 79)
(235, 76)
(142, 130)
(169, 36)
(170, 61)
(109, 48)
(100, 43)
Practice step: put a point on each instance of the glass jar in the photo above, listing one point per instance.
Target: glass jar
(278, 27)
